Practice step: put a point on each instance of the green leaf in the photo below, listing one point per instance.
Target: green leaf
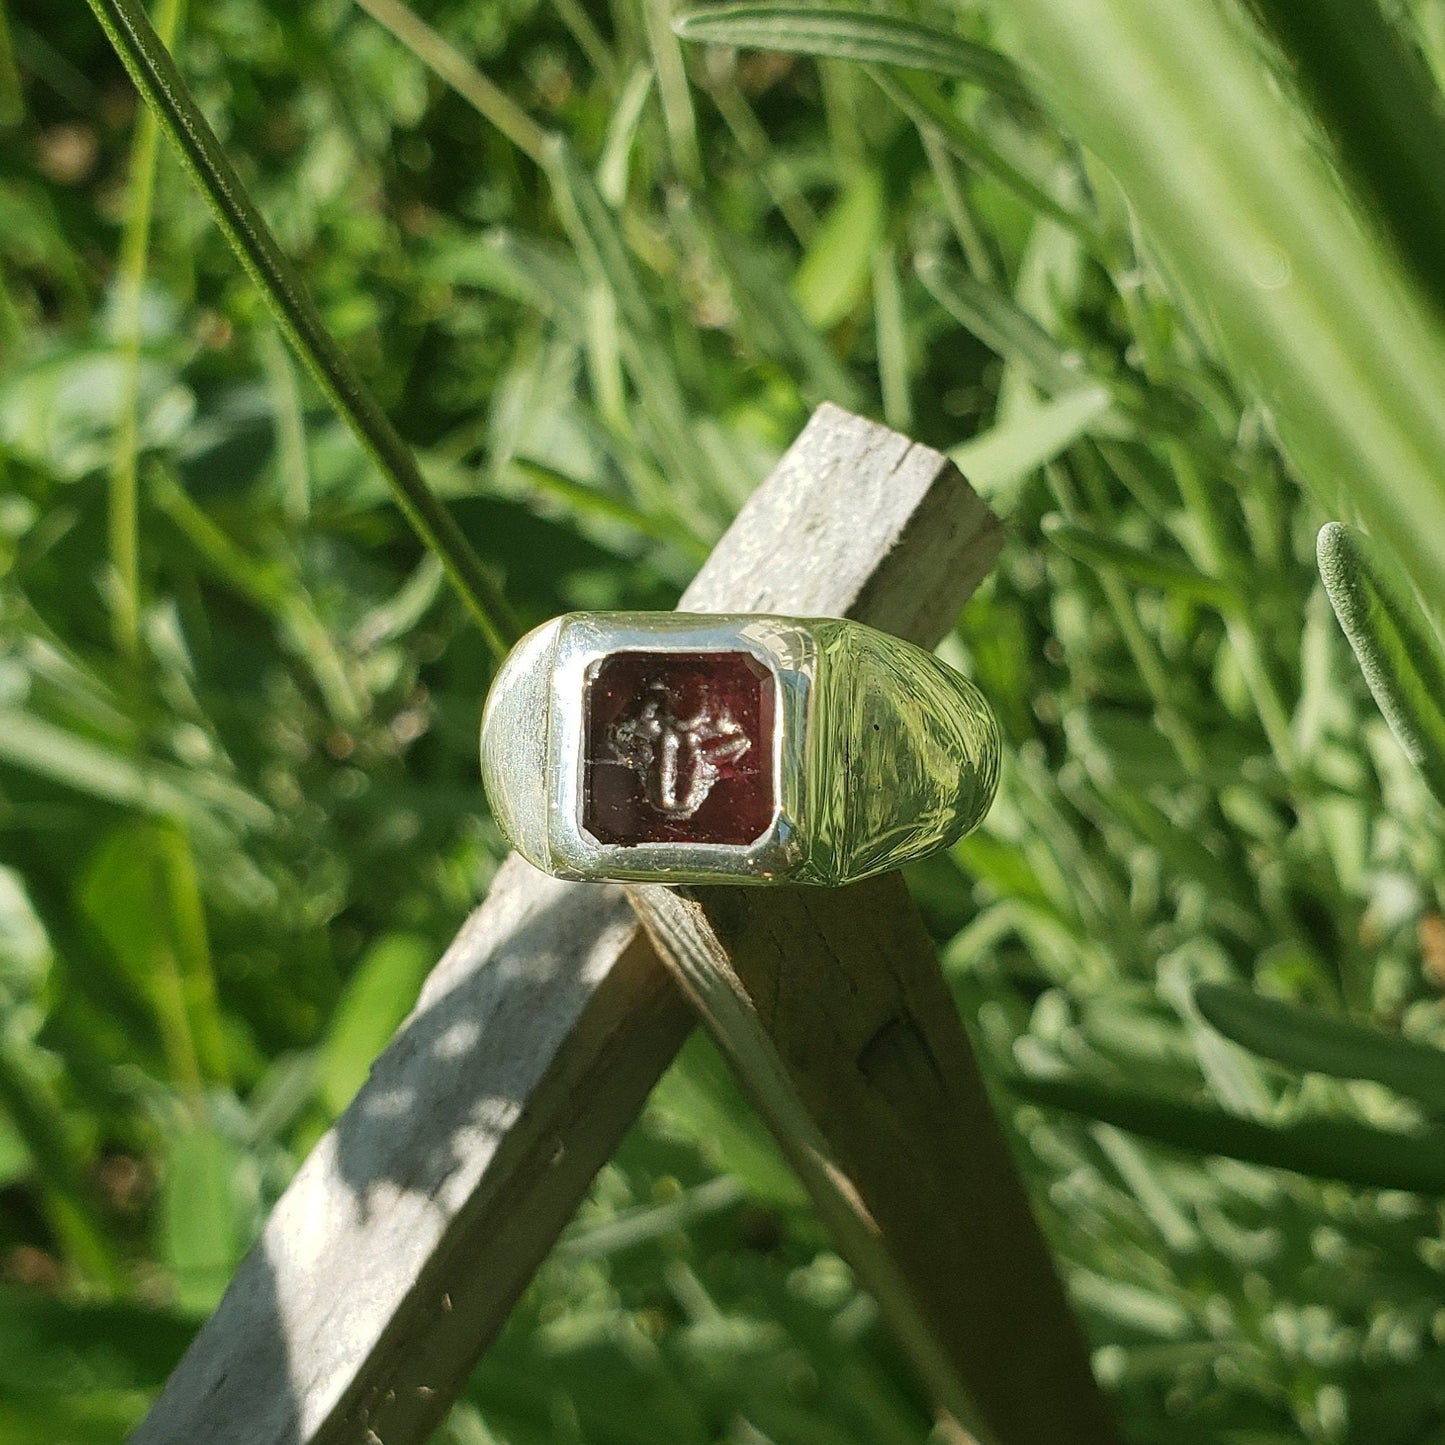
(860, 35)
(51, 1348)
(1394, 643)
(1253, 231)
(488, 99)
(1306, 1039)
(205, 1222)
(130, 324)
(59, 1155)
(271, 586)
(25, 965)
(834, 274)
(545, 277)
(887, 40)
(1322, 1148)
(588, 504)
(650, 1222)
(998, 459)
(998, 322)
(25, 955)
(918, 97)
(90, 767)
(1377, 101)
(62, 411)
(890, 327)
(777, 322)
(593, 229)
(139, 893)
(1148, 569)
(14, 1156)
(378, 997)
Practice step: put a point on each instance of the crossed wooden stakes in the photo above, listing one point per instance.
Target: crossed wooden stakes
(392, 1260)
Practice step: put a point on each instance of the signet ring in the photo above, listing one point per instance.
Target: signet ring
(697, 748)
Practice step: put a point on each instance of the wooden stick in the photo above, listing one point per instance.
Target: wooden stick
(833, 1008)
(394, 1257)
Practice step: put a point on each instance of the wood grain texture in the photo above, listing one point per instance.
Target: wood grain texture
(405, 1238)
(834, 1010)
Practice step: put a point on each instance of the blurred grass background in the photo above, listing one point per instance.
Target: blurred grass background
(1141, 273)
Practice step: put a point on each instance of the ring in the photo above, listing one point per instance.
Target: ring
(692, 748)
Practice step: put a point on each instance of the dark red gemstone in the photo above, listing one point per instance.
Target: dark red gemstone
(679, 748)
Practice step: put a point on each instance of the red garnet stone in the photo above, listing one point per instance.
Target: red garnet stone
(679, 748)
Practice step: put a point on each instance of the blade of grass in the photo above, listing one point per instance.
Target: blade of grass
(955, 204)
(860, 35)
(597, 237)
(490, 100)
(1253, 232)
(1146, 568)
(165, 92)
(772, 314)
(1395, 646)
(41, 59)
(886, 45)
(587, 501)
(918, 98)
(292, 463)
(61, 1161)
(1217, 558)
(1321, 1148)
(757, 149)
(203, 1226)
(1321, 1044)
(12, 101)
(891, 326)
(274, 589)
(837, 266)
(139, 895)
(998, 459)
(91, 768)
(130, 294)
(12, 328)
(1153, 672)
(651, 1221)
(995, 319)
(1377, 101)
(677, 112)
(380, 993)
(574, 16)
(615, 163)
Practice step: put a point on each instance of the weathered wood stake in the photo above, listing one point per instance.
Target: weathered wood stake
(405, 1238)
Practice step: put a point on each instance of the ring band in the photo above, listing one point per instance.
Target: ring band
(693, 748)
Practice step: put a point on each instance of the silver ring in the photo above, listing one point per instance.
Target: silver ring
(691, 748)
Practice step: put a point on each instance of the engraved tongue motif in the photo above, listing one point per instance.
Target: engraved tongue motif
(678, 758)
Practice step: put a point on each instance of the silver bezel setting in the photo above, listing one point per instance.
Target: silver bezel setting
(784, 648)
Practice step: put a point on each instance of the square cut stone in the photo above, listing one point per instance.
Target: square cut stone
(679, 748)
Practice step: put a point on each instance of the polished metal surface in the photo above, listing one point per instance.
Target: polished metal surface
(876, 753)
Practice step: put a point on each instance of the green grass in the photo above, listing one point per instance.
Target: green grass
(1162, 278)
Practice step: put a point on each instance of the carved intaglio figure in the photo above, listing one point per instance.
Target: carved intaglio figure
(678, 748)
(678, 758)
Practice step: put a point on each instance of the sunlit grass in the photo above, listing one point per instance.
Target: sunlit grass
(584, 274)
